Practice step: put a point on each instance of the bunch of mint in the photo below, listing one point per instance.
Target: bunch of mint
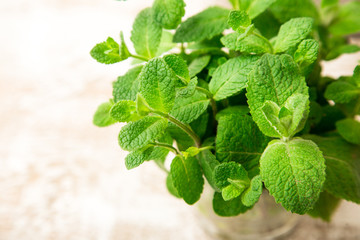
(249, 110)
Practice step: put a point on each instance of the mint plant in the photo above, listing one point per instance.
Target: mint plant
(247, 111)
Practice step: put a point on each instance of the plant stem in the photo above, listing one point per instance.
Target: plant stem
(167, 146)
(211, 97)
(139, 57)
(207, 148)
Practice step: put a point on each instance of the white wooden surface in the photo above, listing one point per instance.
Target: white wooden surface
(63, 178)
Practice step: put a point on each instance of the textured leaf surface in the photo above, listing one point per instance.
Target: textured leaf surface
(250, 44)
(325, 206)
(253, 193)
(349, 129)
(348, 19)
(341, 92)
(231, 77)
(137, 157)
(124, 111)
(238, 20)
(239, 139)
(189, 90)
(275, 78)
(187, 109)
(233, 110)
(208, 164)
(292, 32)
(179, 66)
(198, 64)
(126, 87)
(294, 173)
(307, 52)
(168, 13)
(146, 34)
(205, 25)
(106, 52)
(102, 116)
(138, 134)
(157, 85)
(342, 167)
(187, 178)
(228, 208)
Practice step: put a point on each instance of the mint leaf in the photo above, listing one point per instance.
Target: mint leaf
(187, 109)
(208, 163)
(348, 19)
(239, 139)
(179, 66)
(170, 186)
(142, 107)
(187, 178)
(294, 173)
(166, 42)
(274, 78)
(341, 92)
(205, 25)
(339, 50)
(157, 85)
(124, 111)
(349, 129)
(146, 34)
(239, 21)
(123, 51)
(137, 157)
(107, 52)
(356, 76)
(327, 3)
(325, 206)
(198, 64)
(231, 77)
(342, 167)
(307, 52)
(102, 116)
(253, 193)
(251, 44)
(292, 32)
(233, 110)
(189, 90)
(256, 7)
(228, 208)
(271, 113)
(127, 86)
(284, 10)
(168, 13)
(138, 134)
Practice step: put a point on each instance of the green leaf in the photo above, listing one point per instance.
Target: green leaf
(253, 193)
(327, 3)
(198, 64)
(285, 10)
(349, 129)
(146, 34)
(124, 111)
(348, 19)
(256, 7)
(108, 52)
(339, 50)
(170, 186)
(356, 76)
(187, 109)
(239, 21)
(307, 52)
(183, 140)
(325, 207)
(123, 51)
(228, 208)
(166, 42)
(187, 178)
(294, 173)
(102, 116)
(342, 167)
(251, 44)
(200, 125)
(127, 86)
(137, 157)
(168, 13)
(293, 32)
(179, 66)
(138, 134)
(233, 191)
(189, 90)
(271, 113)
(239, 139)
(208, 163)
(157, 85)
(231, 77)
(205, 25)
(267, 24)
(233, 110)
(274, 78)
(341, 92)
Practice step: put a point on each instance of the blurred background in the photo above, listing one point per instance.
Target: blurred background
(60, 176)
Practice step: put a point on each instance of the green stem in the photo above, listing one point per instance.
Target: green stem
(206, 148)
(266, 40)
(211, 97)
(166, 146)
(139, 57)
